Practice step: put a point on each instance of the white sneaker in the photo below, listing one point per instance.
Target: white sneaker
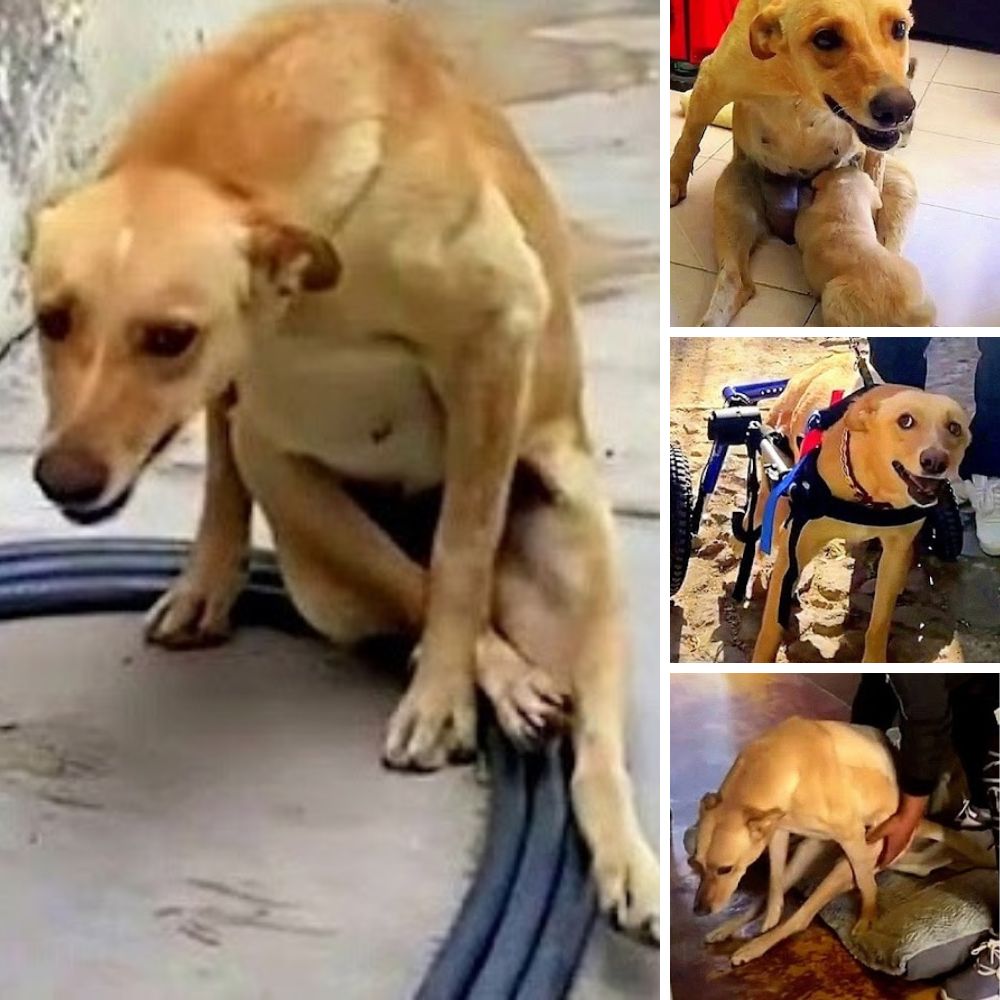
(984, 495)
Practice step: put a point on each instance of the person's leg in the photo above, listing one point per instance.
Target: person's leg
(983, 455)
(900, 360)
(975, 735)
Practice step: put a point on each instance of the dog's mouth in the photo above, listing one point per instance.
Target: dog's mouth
(923, 490)
(87, 515)
(874, 138)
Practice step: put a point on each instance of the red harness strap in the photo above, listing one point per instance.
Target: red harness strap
(814, 438)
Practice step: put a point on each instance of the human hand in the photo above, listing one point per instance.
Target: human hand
(897, 831)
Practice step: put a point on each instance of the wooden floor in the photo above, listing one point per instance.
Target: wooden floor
(711, 716)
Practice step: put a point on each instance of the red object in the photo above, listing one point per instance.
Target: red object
(696, 27)
(814, 438)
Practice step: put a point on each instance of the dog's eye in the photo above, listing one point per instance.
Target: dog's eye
(55, 323)
(827, 40)
(955, 428)
(726, 870)
(168, 340)
(906, 421)
(899, 30)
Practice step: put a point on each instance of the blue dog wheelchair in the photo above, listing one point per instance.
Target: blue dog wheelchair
(740, 423)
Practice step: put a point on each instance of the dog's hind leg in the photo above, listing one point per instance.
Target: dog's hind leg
(864, 858)
(559, 603)
(838, 881)
(957, 843)
(708, 98)
(740, 225)
(899, 204)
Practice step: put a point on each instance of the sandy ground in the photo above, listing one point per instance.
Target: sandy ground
(947, 612)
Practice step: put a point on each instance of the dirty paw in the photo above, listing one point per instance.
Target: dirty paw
(532, 708)
(628, 889)
(434, 725)
(193, 614)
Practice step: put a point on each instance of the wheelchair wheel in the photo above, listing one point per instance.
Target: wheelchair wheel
(943, 533)
(681, 509)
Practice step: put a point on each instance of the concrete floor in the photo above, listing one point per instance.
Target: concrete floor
(217, 825)
(731, 709)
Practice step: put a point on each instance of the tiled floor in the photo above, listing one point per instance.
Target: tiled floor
(711, 716)
(954, 154)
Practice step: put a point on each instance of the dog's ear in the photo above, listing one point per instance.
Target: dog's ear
(293, 259)
(859, 414)
(761, 822)
(766, 38)
(709, 801)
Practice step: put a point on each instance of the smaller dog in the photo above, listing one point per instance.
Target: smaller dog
(824, 781)
(860, 282)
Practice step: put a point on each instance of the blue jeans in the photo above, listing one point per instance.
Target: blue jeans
(902, 360)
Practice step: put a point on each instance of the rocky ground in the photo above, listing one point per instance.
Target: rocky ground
(947, 612)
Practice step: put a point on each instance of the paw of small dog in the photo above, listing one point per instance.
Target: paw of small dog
(434, 725)
(628, 889)
(532, 708)
(193, 613)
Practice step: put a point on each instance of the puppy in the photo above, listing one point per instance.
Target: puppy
(861, 283)
(821, 780)
(896, 444)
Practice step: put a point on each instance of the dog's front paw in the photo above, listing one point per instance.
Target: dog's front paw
(435, 724)
(628, 888)
(194, 612)
(678, 191)
(862, 927)
(751, 950)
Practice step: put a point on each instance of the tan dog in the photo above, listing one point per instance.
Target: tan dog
(815, 83)
(896, 443)
(859, 281)
(436, 345)
(823, 781)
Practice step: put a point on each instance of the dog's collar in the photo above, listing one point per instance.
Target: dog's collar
(860, 493)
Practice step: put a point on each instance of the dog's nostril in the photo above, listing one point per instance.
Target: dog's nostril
(71, 476)
(933, 461)
(892, 106)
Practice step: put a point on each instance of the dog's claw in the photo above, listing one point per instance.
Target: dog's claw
(193, 614)
(628, 890)
(432, 727)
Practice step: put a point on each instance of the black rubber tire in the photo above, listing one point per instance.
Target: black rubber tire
(681, 520)
(943, 533)
(523, 927)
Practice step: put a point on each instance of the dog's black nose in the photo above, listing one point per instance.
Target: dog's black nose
(934, 461)
(71, 477)
(892, 106)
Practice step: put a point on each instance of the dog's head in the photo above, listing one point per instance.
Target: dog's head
(913, 441)
(849, 184)
(730, 839)
(146, 287)
(850, 56)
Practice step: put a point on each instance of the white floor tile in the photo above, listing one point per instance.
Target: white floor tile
(773, 264)
(955, 173)
(959, 258)
(691, 290)
(714, 139)
(968, 68)
(958, 111)
(929, 56)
